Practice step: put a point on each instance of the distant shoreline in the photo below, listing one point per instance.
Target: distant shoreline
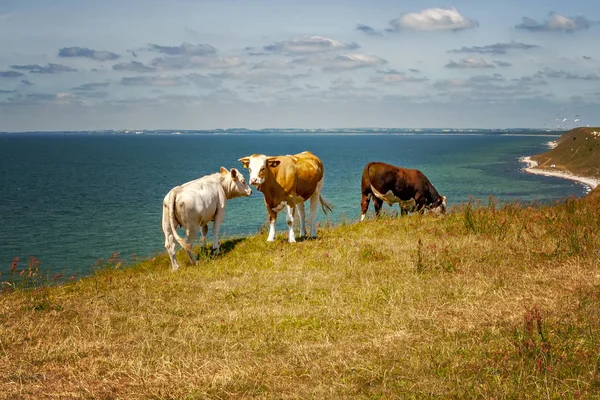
(532, 168)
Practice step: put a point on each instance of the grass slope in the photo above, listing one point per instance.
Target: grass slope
(578, 152)
(486, 302)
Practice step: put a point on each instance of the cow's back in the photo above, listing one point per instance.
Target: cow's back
(381, 177)
(309, 172)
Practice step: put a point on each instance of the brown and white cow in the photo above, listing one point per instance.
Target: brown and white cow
(408, 187)
(288, 181)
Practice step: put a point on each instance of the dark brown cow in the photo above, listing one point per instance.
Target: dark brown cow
(409, 187)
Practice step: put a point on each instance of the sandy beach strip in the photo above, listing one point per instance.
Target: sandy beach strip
(531, 168)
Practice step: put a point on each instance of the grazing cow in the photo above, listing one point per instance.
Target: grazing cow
(194, 204)
(288, 181)
(408, 187)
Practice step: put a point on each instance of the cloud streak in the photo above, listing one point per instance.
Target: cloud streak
(157, 80)
(184, 49)
(393, 76)
(134, 66)
(193, 62)
(557, 23)
(367, 30)
(48, 69)
(469, 62)
(496, 49)
(342, 62)
(553, 73)
(90, 87)
(11, 74)
(309, 44)
(87, 53)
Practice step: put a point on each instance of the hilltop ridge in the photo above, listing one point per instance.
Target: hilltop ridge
(576, 152)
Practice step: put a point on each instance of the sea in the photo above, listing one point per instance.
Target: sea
(73, 200)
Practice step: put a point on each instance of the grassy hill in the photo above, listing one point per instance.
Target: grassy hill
(578, 152)
(487, 302)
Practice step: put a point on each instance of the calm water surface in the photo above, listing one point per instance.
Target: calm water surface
(70, 200)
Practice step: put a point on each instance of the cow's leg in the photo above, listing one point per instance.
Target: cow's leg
(420, 202)
(204, 233)
(272, 221)
(301, 217)
(403, 210)
(364, 205)
(169, 239)
(377, 203)
(190, 234)
(314, 203)
(289, 218)
(216, 227)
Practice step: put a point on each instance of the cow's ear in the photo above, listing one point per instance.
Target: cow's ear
(245, 161)
(273, 162)
(224, 170)
(234, 173)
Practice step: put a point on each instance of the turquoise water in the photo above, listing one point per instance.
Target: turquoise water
(72, 199)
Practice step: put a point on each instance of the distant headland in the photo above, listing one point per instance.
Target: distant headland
(333, 131)
(573, 156)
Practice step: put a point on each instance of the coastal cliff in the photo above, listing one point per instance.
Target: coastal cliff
(575, 155)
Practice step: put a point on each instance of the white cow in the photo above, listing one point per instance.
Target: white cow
(194, 204)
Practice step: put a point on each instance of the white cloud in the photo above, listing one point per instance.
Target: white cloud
(310, 44)
(342, 62)
(433, 19)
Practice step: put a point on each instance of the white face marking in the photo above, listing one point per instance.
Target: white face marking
(441, 209)
(256, 167)
(280, 206)
(362, 217)
(236, 187)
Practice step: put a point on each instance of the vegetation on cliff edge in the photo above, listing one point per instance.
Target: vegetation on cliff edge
(487, 302)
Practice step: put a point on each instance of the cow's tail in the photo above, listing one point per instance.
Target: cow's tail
(325, 205)
(172, 202)
(366, 186)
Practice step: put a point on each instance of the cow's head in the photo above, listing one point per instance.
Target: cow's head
(439, 206)
(257, 165)
(234, 183)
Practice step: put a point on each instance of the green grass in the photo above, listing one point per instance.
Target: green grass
(487, 302)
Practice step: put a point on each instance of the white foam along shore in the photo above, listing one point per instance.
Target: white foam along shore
(531, 168)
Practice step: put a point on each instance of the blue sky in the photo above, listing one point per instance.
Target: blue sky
(191, 64)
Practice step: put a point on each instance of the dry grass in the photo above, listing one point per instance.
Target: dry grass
(487, 302)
